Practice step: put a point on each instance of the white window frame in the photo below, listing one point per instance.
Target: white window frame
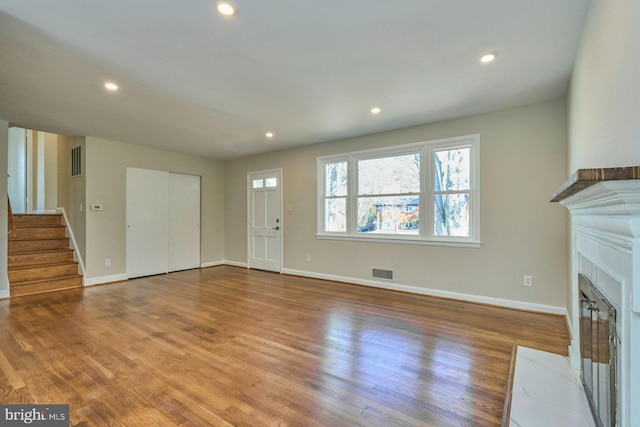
(426, 234)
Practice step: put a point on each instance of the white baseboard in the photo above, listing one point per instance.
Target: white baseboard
(236, 264)
(520, 305)
(224, 262)
(105, 279)
(212, 264)
(4, 294)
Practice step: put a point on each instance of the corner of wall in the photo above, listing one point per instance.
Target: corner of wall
(4, 145)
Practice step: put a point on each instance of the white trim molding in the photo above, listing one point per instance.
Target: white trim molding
(105, 279)
(212, 263)
(74, 244)
(236, 264)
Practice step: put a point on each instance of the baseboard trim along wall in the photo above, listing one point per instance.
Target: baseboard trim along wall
(236, 264)
(212, 264)
(542, 308)
(4, 294)
(105, 279)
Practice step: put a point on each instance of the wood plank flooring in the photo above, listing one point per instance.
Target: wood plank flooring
(228, 346)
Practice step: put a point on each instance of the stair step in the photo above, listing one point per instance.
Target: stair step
(38, 286)
(40, 231)
(19, 245)
(41, 272)
(37, 219)
(40, 257)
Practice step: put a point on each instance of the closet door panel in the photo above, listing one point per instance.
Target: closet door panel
(184, 221)
(147, 222)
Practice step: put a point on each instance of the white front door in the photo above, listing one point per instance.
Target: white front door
(265, 220)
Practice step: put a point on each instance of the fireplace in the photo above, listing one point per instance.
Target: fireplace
(598, 351)
(604, 205)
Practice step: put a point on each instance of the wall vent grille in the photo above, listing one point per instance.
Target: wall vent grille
(383, 274)
(76, 161)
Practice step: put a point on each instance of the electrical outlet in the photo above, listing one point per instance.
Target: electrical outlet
(107, 262)
(308, 257)
(528, 280)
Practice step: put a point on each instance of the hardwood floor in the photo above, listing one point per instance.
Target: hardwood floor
(229, 346)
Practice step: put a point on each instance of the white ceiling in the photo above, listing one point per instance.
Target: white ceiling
(308, 70)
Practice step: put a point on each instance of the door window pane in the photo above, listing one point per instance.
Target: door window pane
(271, 182)
(258, 183)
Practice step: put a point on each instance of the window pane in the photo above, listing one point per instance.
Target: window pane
(271, 182)
(335, 179)
(388, 215)
(257, 183)
(451, 214)
(389, 175)
(335, 214)
(452, 169)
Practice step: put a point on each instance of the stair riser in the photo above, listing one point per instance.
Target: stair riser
(52, 285)
(17, 246)
(37, 220)
(22, 260)
(40, 232)
(45, 272)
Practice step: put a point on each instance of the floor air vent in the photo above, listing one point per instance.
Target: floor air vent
(383, 274)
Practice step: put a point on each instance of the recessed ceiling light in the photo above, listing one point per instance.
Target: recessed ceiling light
(225, 8)
(488, 57)
(375, 110)
(269, 134)
(111, 86)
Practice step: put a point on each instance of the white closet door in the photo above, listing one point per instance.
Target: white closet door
(147, 222)
(184, 221)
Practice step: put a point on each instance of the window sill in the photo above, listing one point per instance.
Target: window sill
(420, 242)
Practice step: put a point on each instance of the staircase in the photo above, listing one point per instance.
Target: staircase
(40, 259)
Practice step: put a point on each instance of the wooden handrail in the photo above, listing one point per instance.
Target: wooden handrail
(12, 225)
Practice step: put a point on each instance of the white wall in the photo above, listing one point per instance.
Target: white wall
(523, 160)
(603, 101)
(72, 191)
(4, 161)
(17, 184)
(604, 96)
(50, 171)
(106, 163)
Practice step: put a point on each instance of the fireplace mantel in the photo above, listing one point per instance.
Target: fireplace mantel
(584, 178)
(605, 239)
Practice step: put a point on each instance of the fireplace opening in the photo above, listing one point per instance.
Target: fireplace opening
(598, 348)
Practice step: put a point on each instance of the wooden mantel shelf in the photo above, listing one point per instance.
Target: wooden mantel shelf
(584, 178)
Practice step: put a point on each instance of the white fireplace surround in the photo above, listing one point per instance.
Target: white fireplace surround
(605, 245)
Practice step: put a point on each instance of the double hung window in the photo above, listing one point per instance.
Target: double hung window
(425, 193)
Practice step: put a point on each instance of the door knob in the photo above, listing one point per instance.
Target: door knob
(276, 228)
